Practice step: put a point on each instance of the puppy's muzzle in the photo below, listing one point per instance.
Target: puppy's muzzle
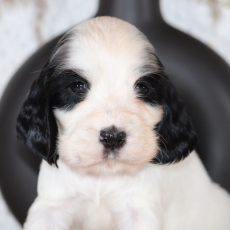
(112, 138)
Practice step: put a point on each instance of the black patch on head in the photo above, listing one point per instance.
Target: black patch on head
(36, 124)
(59, 90)
(156, 91)
(177, 137)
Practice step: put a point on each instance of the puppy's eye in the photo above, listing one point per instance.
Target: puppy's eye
(141, 89)
(79, 87)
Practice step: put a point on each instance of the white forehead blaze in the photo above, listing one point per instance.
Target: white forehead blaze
(106, 47)
(109, 53)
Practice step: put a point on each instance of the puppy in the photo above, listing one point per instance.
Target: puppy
(115, 139)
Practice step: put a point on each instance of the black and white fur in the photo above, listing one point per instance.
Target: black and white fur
(115, 139)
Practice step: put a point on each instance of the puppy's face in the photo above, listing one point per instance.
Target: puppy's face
(103, 103)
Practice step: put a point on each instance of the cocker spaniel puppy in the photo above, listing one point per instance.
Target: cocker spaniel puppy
(115, 139)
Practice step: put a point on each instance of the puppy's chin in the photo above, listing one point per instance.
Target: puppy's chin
(106, 166)
(110, 167)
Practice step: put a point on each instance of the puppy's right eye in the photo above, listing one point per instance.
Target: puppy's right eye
(79, 87)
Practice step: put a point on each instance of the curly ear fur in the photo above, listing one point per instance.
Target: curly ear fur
(177, 137)
(36, 125)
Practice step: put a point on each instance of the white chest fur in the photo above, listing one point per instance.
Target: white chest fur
(179, 196)
(101, 202)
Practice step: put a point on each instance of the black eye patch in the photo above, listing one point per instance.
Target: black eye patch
(151, 89)
(66, 89)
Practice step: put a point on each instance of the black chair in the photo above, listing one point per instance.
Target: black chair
(201, 77)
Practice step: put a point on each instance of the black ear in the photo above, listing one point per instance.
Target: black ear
(177, 137)
(36, 125)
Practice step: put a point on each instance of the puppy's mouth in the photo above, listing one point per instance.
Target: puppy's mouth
(110, 154)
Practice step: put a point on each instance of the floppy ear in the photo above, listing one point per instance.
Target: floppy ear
(36, 125)
(177, 137)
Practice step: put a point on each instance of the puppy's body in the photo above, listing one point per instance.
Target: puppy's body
(106, 114)
(171, 197)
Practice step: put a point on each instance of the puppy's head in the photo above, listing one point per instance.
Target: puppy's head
(104, 104)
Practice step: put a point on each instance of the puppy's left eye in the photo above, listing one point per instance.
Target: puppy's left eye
(141, 89)
(79, 87)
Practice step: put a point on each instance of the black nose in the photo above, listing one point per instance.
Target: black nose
(112, 138)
